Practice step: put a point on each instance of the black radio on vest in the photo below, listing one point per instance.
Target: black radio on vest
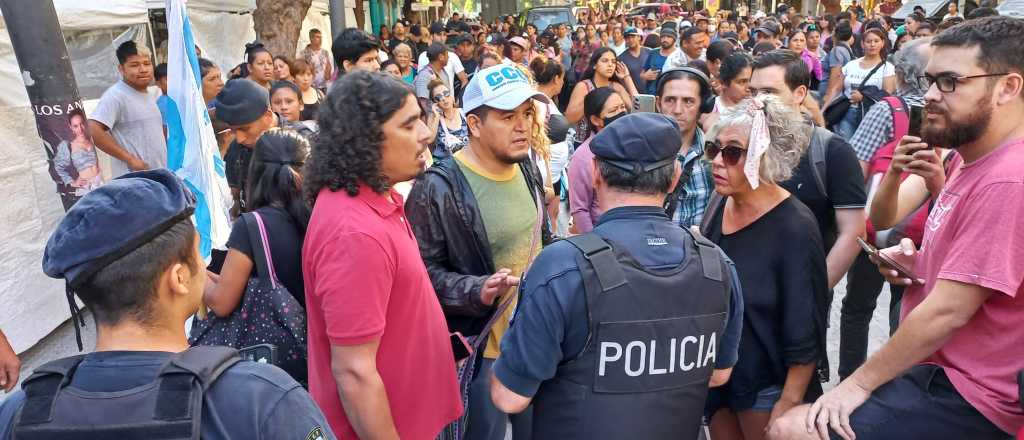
(650, 352)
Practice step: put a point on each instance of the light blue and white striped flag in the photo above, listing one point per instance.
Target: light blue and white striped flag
(194, 156)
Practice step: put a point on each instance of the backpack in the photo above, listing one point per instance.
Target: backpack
(169, 408)
(818, 151)
(913, 225)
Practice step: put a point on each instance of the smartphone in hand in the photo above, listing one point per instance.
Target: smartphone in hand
(902, 270)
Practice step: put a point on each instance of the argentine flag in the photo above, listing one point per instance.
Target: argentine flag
(193, 154)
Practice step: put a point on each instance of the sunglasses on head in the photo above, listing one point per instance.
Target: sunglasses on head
(730, 155)
(438, 97)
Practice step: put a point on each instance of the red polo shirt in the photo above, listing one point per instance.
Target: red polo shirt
(365, 281)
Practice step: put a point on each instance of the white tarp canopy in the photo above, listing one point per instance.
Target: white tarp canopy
(34, 304)
(1012, 8)
(210, 5)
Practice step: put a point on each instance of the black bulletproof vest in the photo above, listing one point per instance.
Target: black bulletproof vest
(650, 353)
(168, 408)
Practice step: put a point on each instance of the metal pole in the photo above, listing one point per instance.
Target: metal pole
(46, 70)
(337, 8)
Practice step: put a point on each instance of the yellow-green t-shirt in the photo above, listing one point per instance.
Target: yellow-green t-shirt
(508, 213)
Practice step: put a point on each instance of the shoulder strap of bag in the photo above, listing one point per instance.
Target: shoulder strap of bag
(260, 246)
(900, 117)
(872, 72)
(535, 239)
(820, 139)
(714, 204)
(672, 200)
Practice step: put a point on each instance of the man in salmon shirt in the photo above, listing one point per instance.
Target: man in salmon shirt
(949, 371)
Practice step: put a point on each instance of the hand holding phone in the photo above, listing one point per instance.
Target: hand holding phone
(894, 272)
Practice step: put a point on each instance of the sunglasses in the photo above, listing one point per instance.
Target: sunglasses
(438, 97)
(730, 155)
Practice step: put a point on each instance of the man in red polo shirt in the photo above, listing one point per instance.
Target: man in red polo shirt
(380, 360)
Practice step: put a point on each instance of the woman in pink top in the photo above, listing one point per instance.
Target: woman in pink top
(601, 106)
(798, 44)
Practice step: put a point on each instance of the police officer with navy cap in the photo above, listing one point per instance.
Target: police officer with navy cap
(129, 250)
(620, 332)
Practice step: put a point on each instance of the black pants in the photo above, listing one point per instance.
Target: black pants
(863, 285)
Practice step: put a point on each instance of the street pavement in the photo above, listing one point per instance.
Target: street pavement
(879, 332)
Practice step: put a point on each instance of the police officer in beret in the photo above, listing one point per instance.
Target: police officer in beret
(244, 106)
(131, 253)
(621, 331)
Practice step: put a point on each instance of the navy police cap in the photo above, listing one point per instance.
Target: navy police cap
(638, 142)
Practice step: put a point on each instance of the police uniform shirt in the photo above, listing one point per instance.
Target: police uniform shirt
(551, 325)
(249, 400)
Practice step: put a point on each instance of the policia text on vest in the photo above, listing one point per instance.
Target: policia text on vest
(681, 359)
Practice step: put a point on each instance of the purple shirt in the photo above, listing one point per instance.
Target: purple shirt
(813, 63)
(582, 202)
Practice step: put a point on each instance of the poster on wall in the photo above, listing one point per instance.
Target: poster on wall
(61, 122)
(70, 151)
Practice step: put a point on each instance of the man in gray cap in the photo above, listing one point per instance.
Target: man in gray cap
(621, 331)
(129, 250)
(245, 107)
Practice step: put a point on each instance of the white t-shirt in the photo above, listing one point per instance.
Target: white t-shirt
(679, 59)
(853, 74)
(617, 49)
(454, 66)
(135, 123)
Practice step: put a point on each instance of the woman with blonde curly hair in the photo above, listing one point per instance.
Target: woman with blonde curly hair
(775, 243)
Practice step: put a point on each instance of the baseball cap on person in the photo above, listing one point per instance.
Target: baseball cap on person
(519, 41)
(241, 101)
(631, 31)
(436, 27)
(638, 142)
(502, 87)
(114, 220)
(769, 27)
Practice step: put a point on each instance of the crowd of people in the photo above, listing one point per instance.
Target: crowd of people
(469, 230)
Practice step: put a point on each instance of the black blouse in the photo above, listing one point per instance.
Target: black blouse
(781, 265)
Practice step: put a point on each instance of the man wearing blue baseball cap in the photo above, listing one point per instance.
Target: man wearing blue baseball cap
(634, 57)
(129, 250)
(621, 331)
(479, 219)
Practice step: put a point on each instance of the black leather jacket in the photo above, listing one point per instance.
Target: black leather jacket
(446, 220)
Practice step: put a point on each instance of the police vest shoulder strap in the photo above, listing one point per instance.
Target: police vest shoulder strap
(203, 364)
(710, 258)
(599, 253)
(42, 387)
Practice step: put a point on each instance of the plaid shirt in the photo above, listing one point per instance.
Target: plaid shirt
(875, 129)
(697, 191)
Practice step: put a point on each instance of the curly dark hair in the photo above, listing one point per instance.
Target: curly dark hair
(347, 150)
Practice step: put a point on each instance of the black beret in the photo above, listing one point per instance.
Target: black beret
(242, 101)
(638, 142)
(113, 220)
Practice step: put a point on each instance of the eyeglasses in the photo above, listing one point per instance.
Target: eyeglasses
(438, 97)
(947, 82)
(730, 155)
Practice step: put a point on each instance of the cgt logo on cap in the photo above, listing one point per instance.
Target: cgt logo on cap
(504, 76)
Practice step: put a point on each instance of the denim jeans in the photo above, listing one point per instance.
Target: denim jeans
(848, 125)
(863, 285)
(920, 404)
(487, 422)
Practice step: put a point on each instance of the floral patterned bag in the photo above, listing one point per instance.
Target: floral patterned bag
(268, 314)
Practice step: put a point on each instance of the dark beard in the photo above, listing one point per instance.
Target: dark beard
(958, 132)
